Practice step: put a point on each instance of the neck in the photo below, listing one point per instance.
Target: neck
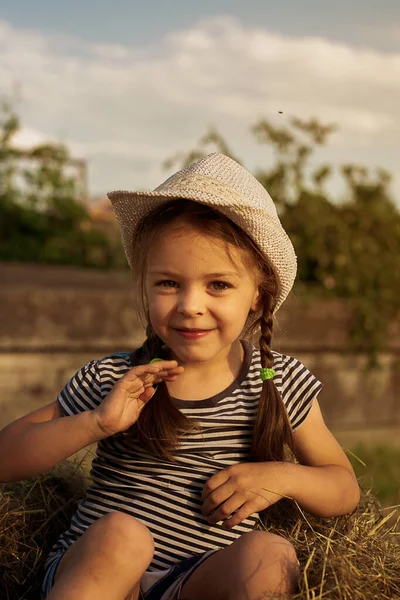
(230, 358)
(202, 380)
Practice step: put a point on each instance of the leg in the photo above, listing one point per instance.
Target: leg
(107, 562)
(259, 565)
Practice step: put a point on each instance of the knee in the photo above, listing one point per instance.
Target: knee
(266, 561)
(269, 546)
(126, 535)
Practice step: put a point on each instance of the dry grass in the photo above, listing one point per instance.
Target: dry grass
(349, 558)
(356, 557)
(32, 515)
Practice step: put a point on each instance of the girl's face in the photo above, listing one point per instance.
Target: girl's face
(198, 297)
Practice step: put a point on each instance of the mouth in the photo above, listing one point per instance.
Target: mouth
(191, 330)
(192, 334)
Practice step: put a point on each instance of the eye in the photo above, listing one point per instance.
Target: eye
(221, 286)
(166, 283)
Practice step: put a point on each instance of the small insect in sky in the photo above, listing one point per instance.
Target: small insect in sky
(280, 112)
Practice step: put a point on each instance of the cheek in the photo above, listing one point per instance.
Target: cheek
(160, 307)
(235, 310)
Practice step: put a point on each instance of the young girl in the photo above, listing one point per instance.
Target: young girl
(192, 426)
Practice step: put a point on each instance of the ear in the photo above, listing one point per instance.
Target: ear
(256, 304)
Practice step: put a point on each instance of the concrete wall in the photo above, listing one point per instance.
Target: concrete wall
(53, 320)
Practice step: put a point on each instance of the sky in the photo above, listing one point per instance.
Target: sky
(128, 84)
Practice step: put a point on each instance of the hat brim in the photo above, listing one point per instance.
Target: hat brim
(266, 231)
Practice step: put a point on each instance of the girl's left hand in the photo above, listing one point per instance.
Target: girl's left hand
(235, 493)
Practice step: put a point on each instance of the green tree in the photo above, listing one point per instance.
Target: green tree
(347, 247)
(41, 219)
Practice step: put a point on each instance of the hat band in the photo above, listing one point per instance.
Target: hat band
(190, 185)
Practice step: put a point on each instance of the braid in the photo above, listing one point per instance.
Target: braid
(272, 430)
(160, 423)
(266, 326)
(151, 346)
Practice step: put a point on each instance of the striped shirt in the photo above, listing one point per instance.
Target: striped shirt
(166, 496)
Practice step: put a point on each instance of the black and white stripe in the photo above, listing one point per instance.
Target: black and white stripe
(166, 496)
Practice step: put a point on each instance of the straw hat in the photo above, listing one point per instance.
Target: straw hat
(221, 183)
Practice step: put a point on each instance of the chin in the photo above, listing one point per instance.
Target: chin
(195, 352)
(192, 355)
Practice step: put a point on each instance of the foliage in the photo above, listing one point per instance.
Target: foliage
(346, 247)
(378, 467)
(41, 219)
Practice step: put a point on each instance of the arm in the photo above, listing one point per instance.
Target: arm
(324, 482)
(40, 440)
(37, 442)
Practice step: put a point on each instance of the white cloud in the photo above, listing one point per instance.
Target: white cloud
(126, 109)
(28, 137)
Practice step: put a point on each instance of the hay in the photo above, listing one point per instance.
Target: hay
(356, 557)
(33, 513)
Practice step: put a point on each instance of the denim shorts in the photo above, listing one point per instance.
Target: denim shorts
(154, 585)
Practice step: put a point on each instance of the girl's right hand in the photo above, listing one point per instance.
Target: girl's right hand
(122, 406)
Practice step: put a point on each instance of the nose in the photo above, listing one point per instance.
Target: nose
(191, 302)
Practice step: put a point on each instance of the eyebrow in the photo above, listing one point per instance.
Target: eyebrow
(169, 274)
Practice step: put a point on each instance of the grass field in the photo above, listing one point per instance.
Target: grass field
(378, 468)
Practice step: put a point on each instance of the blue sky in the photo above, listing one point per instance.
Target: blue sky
(127, 84)
(138, 22)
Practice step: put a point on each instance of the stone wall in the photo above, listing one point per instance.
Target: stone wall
(53, 320)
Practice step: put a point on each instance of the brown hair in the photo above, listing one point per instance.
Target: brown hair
(161, 423)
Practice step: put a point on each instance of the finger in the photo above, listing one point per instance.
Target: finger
(226, 510)
(165, 379)
(140, 373)
(244, 512)
(134, 386)
(158, 367)
(155, 379)
(215, 481)
(149, 379)
(171, 372)
(161, 375)
(146, 396)
(141, 402)
(168, 375)
(165, 362)
(158, 379)
(217, 497)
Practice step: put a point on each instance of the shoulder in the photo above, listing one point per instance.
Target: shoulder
(92, 382)
(112, 366)
(286, 367)
(114, 363)
(296, 384)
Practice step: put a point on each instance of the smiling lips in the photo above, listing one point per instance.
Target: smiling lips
(193, 334)
(190, 329)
